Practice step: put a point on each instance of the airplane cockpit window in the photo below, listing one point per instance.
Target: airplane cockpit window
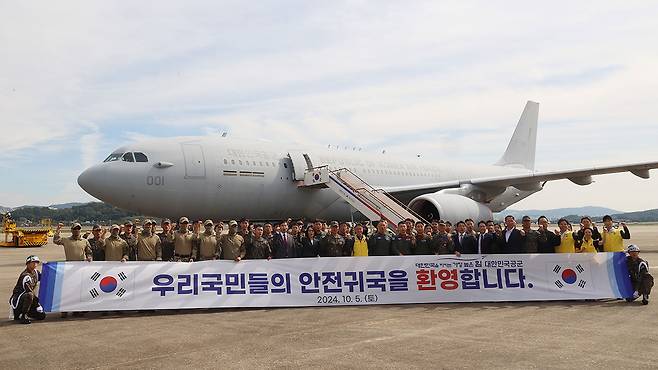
(128, 157)
(113, 157)
(140, 157)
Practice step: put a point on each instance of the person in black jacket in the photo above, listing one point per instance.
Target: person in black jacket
(464, 243)
(379, 243)
(550, 240)
(486, 241)
(513, 238)
(310, 244)
(402, 244)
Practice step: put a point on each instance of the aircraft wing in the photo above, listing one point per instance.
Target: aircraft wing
(524, 180)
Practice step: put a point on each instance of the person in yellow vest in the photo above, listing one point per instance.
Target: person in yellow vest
(612, 237)
(360, 242)
(586, 244)
(567, 241)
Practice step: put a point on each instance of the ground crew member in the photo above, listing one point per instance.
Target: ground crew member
(258, 247)
(148, 244)
(208, 245)
(638, 270)
(96, 243)
(402, 244)
(23, 301)
(75, 248)
(567, 240)
(332, 245)
(183, 247)
(586, 244)
(128, 234)
(360, 242)
(379, 243)
(166, 240)
(613, 237)
(232, 244)
(115, 248)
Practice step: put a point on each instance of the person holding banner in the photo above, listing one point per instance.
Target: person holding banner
(184, 249)
(612, 238)
(638, 269)
(567, 240)
(208, 244)
(148, 245)
(232, 244)
(115, 248)
(75, 247)
(402, 244)
(333, 244)
(586, 244)
(258, 247)
(23, 301)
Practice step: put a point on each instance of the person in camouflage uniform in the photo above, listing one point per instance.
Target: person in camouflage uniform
(333, 244)
(258, 247)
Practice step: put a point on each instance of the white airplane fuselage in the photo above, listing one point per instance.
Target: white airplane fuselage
(225, 178)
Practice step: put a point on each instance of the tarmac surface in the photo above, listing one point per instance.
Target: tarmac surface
(564, 334)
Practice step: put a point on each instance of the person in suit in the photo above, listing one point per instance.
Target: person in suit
(486, 241)
(464, 243)
(283, 243)
(310, 245)
(513, 238)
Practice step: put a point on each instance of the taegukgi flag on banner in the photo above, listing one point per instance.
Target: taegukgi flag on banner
(103, 286)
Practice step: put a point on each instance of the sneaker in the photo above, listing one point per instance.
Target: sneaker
(25, 320)
(645, 299)
(636, 295)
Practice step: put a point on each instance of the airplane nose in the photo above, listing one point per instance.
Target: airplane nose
(89, 180)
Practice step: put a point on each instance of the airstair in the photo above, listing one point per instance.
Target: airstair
(375, 204)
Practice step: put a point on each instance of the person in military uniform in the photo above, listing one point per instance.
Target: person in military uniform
(333, 244)
(531, 238)
(148, 247)
(403, 243)
(424, 244)
(268, 232)
(166, 240)
(318, 228)
(641, 279)
(75, 247)
(208, 243)
(24, 301)
(344, 231)
(96, 242)
(183, 247)
(115, 248)
(232, 244)
(128, 234)
(244, 230)
(258, 247)
(443, 240)
(379, 243)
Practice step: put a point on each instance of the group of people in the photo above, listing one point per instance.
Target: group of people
(200, 241)
(187, 242)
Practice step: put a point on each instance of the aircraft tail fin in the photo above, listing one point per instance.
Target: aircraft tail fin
(522, 147)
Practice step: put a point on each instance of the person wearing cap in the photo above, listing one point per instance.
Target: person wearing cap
(379, 243)
(208, 243)
(24, 301)
(166, 240)
(232, 244)
(148, 247)
(114, 247)
(612, 239)
(332, 245)
(96, 242)
(258, 247)
(284, 244)
(75, 247)
(183, 247)
(129, 235)
(638, 270)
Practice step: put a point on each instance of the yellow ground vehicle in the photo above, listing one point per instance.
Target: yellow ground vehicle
(22, 236)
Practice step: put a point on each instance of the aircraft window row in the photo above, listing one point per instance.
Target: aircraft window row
(394, 172)
(127, 157)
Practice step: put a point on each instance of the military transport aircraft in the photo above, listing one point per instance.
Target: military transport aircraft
(222, 178)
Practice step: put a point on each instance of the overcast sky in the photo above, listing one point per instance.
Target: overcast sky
(444, 80)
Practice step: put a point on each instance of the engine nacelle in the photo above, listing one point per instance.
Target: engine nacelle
(450, 207)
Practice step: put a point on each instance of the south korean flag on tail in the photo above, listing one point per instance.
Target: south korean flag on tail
(570, 276)
(107, 283)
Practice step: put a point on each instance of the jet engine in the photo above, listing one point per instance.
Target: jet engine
(449, 207)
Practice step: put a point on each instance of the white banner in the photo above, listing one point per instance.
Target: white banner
(105, 286)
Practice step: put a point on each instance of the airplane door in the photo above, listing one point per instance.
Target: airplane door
(300, 163)
(195, 166)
